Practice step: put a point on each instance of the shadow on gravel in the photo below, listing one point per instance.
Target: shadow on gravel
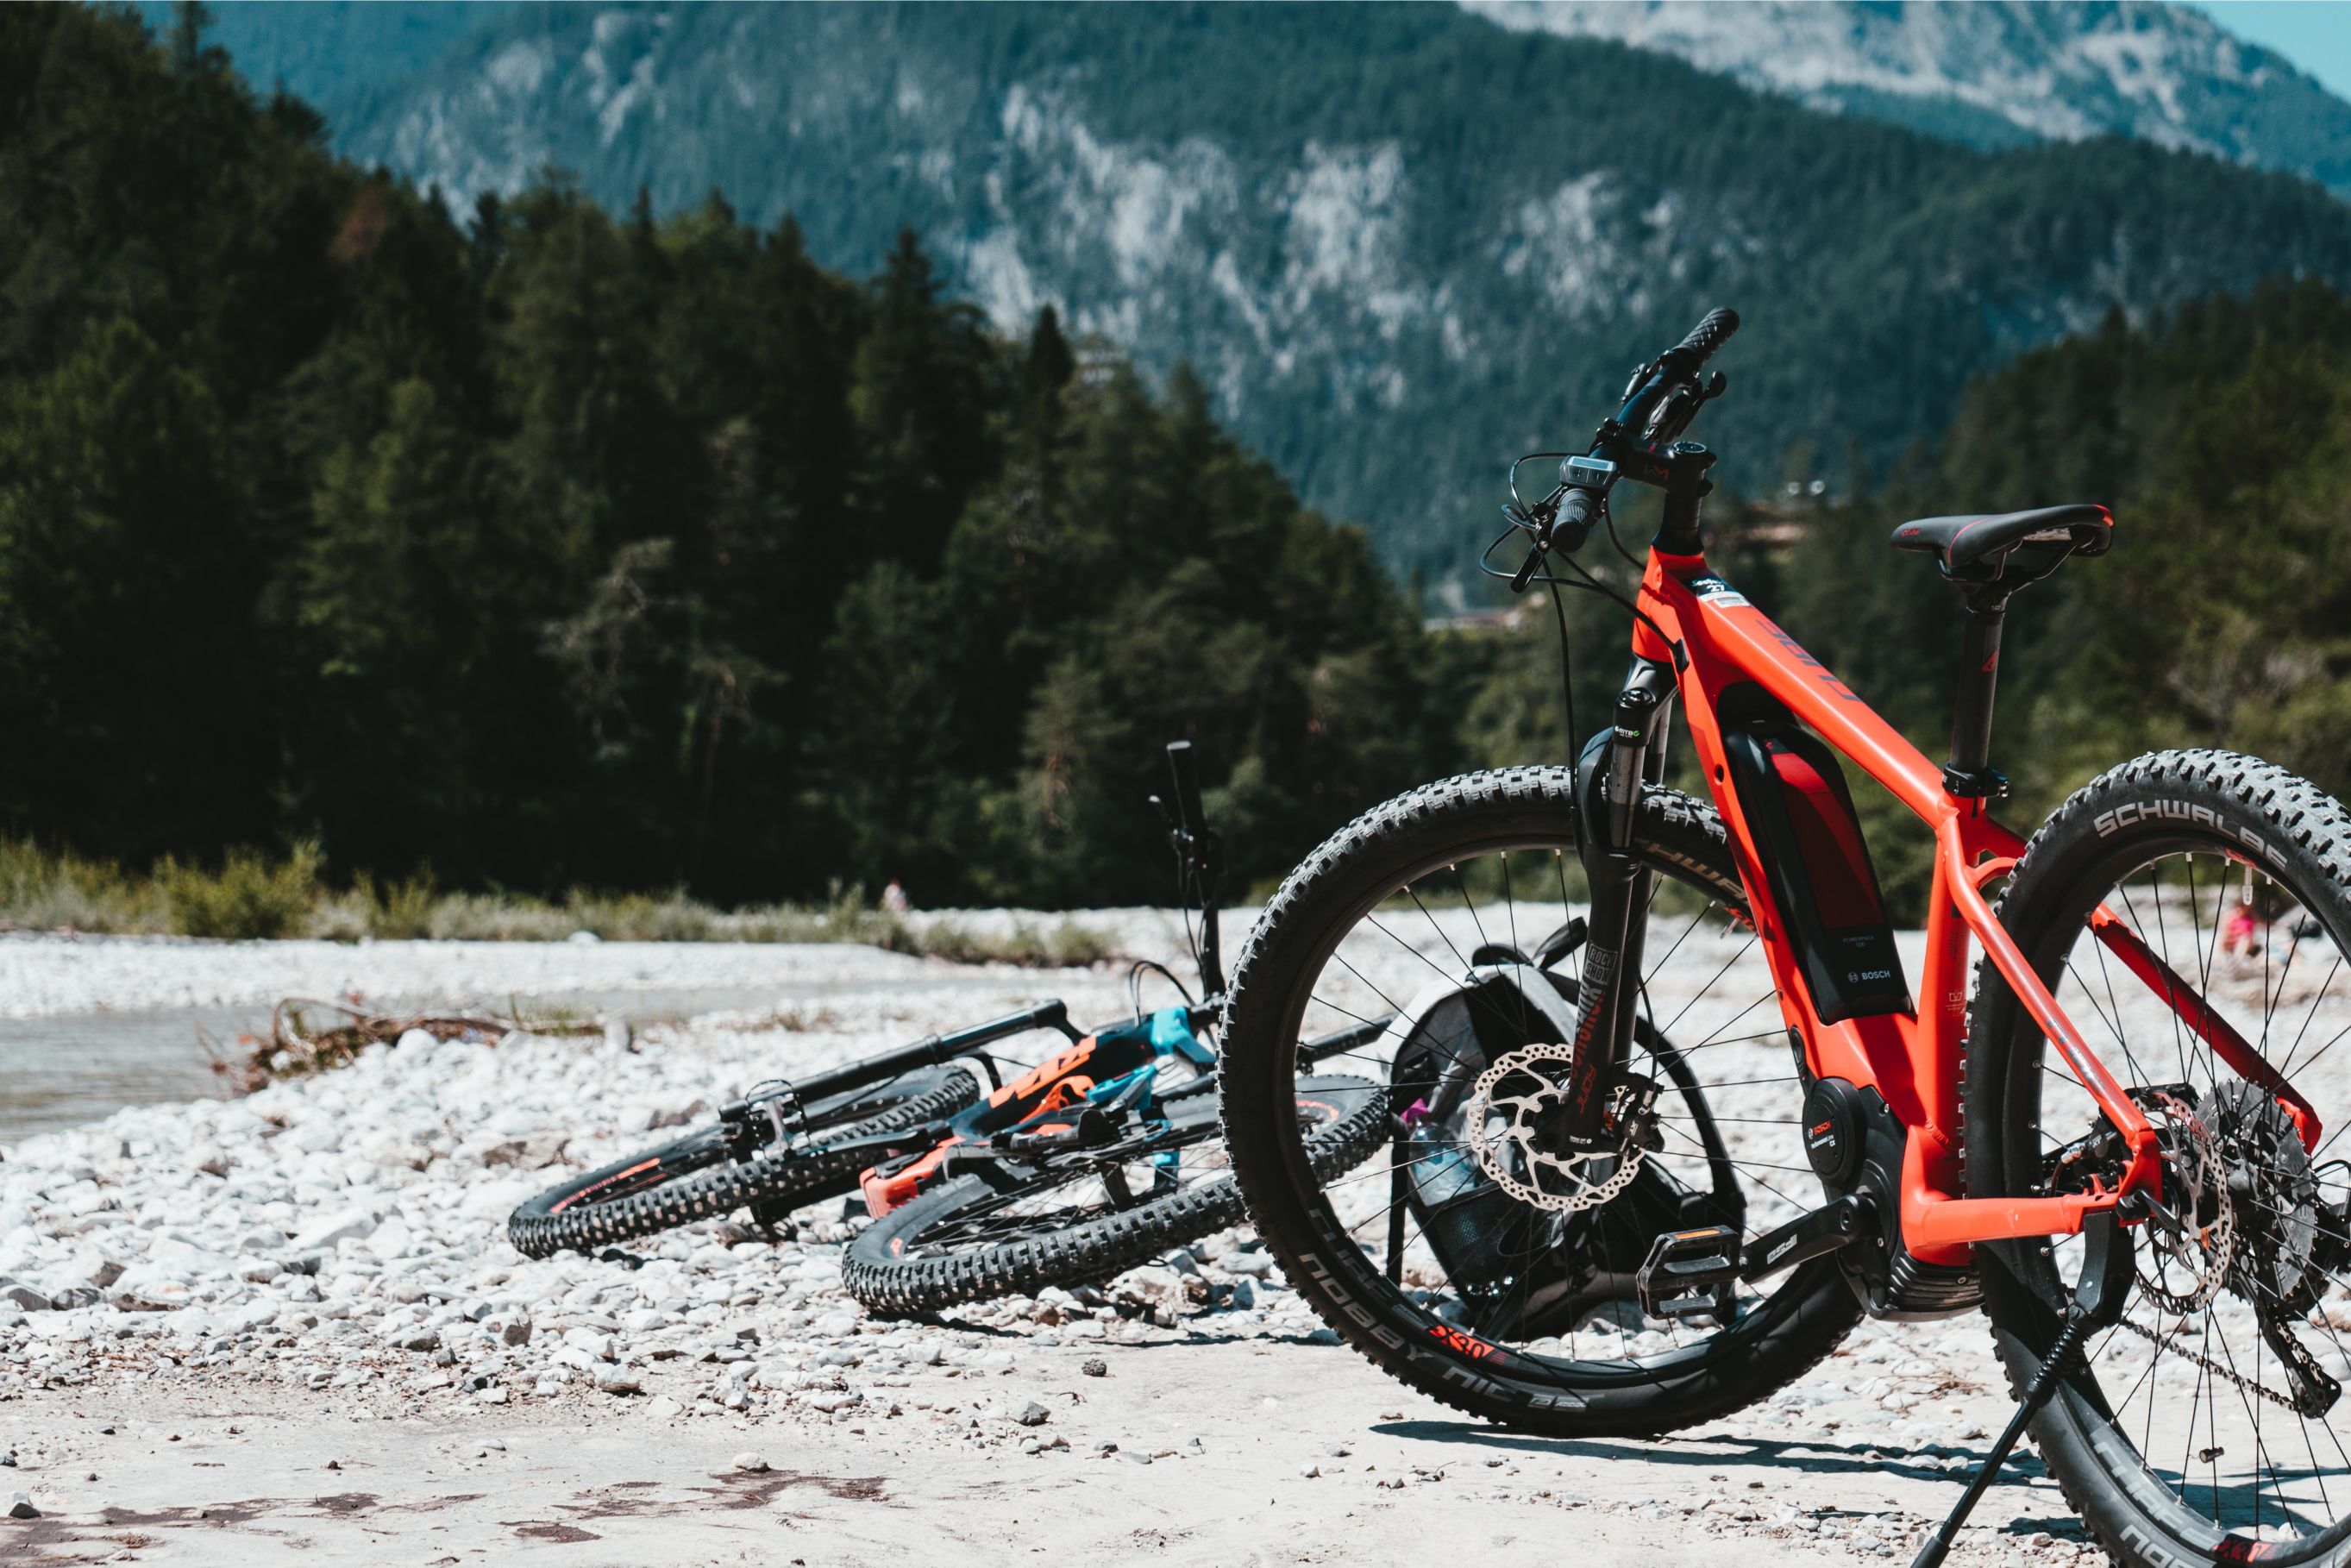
(1922, 1464)
(1192, 1336)
(120, 1531)
(637, 1500)
(335, 1505)
(52, 1541)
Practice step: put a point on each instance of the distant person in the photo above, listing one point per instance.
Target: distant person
(894, 899)
(2243, 931)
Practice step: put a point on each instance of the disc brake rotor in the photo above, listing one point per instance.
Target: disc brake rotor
(2192, 1242)
(1506, 1118)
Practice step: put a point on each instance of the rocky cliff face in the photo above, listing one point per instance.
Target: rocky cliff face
(1401, 243)
(1996, 72)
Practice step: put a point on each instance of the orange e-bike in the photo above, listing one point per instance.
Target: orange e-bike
(1655, 1172)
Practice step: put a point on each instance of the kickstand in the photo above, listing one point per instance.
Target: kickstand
(2097, 1303)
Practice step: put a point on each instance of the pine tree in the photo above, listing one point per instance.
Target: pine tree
(129, 667)
(917, 394)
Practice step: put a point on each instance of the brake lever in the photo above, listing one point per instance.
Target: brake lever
(1681, 406)
(1177, 837)
(1537, 520)
(1566, 524)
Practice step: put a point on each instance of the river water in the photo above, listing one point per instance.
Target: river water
(69, 1068)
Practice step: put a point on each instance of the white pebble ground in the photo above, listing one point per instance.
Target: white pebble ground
(291, 1325)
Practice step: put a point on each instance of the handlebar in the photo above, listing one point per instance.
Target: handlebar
(1570, 525)
(1641, 443)
(1578, 510)
(1685, 358)
(1665, 389)
(931, 1050)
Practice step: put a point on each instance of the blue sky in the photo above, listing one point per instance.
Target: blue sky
(2316, 34)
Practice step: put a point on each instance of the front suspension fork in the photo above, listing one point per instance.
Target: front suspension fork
(1616, 765)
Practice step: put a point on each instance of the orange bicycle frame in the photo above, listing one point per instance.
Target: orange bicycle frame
(1717, 639)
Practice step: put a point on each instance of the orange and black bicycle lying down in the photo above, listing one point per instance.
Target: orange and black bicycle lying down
(1638, 1191)
(984, 1176)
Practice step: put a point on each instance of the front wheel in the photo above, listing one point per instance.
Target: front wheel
(698, 1177)
(2208, 1425)
(1453, 1281)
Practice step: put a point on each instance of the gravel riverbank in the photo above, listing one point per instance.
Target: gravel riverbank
(288, 1323)
(42, 976)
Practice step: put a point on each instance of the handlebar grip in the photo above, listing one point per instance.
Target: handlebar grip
(1578, 510)
(1704, 341)
(1189, 815)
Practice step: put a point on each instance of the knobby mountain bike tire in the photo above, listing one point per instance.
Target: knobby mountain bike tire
(967, 1242)
(696, 1177)
(2175, 1436)
(1336, 1263)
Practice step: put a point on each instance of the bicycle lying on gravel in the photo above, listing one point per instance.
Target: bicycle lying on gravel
(933, 1131)
(1594, 1216)
(1115, 1170)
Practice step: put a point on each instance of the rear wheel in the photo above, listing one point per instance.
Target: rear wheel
(1477, 1296)
(697, 1176)
(2201, 1428)
(1091, 1213)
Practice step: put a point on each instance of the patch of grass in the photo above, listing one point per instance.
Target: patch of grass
(252, 895)
(44, 892)
(386, 911)
(1064, 944)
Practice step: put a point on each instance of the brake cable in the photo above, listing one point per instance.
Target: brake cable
(1566, 665)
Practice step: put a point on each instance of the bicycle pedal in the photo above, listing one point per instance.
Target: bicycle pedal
(1688, 1272)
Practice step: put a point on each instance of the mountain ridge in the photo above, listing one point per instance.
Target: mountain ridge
(1994, 72)
(1400, 245)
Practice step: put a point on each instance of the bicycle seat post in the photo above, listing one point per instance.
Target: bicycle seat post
(1968, 773)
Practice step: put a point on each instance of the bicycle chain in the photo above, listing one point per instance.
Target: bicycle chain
(2202, 1150)
(2208, 1364)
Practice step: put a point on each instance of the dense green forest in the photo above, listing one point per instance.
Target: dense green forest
(556, 547)
(553, 547)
